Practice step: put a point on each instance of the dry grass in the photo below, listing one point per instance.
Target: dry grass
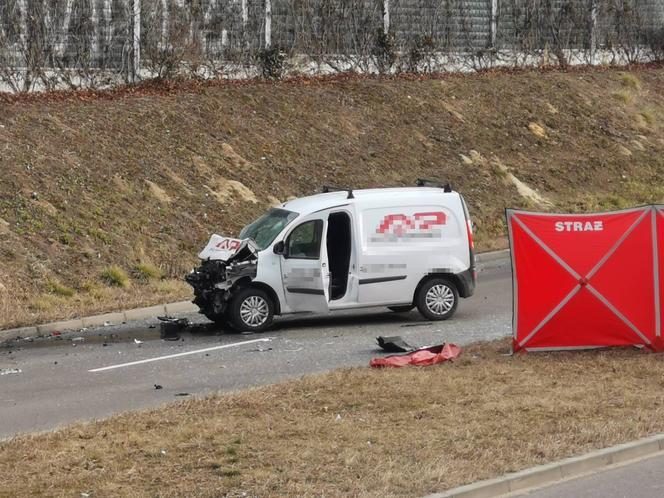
(630, 81)
(45, 302)
(147, 271)
(624, 96)
(92, 298)
(648, 117)
(114, 275)
(61, 290)
(355, 432)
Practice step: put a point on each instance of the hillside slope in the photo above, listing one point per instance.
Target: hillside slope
(139, 181)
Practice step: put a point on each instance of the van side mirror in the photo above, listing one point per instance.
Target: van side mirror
(279, 248)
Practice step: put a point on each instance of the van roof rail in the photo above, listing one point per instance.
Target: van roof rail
(423, 182)
(331, 188)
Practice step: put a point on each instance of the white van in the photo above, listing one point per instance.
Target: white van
(342, 249)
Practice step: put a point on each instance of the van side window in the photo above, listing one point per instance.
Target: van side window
(304, 241)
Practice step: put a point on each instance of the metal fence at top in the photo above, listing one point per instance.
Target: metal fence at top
(86, 40)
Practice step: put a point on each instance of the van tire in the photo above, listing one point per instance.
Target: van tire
(251, 310)
(401, 309)
(437, 299)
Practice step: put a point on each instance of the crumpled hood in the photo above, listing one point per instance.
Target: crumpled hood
(225, 249)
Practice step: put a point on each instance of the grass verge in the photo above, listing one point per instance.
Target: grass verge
(355, 432)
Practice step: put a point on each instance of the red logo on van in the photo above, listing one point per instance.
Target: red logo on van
(401, 224)
(228, 245)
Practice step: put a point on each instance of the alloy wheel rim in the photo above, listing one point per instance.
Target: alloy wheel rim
(439, 299)
(254, 311)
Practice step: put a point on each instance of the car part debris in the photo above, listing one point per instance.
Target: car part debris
(421, 357)
(259, 350)
(394, 344)
(225, 262)
(10, 371)
(170, 328)
(203, 328)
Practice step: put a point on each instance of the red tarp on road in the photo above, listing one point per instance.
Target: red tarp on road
(587, 280)
(421, 358)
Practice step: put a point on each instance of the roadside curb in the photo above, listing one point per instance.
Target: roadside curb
(99, 320)
(551, 473)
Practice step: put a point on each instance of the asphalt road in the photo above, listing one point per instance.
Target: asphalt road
(55, 385)
(642, 479)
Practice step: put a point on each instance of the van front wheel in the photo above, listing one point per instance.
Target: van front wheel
(251, 310)
(437, 299)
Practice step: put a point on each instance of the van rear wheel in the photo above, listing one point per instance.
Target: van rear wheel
(437, 299)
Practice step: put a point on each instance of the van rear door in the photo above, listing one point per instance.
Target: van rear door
(304, 271)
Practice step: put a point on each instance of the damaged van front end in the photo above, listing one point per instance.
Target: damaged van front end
(225, 264)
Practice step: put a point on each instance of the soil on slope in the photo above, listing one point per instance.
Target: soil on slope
(139, 179)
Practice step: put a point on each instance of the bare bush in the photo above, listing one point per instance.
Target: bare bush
(546, 30)
(624, 30)
(168, 44)
(421, 55)
(270, 62)
(655, 37)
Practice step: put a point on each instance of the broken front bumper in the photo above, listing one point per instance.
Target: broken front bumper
(215, 281)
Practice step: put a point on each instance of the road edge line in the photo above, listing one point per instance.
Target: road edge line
(550, 473)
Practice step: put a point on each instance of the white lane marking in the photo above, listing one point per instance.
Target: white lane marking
(159, 358)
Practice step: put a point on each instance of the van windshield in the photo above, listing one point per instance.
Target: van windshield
(267, 227)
